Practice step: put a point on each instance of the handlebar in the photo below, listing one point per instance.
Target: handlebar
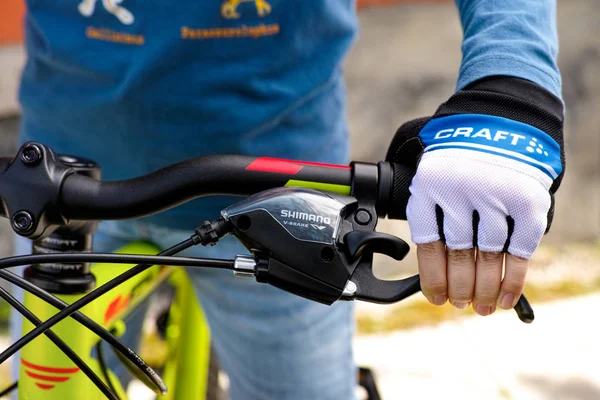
(86, 198)
(46, 188)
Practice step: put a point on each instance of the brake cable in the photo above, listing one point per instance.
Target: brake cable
(103, 367)
(17, 305)
(66, 310)
(9, 389)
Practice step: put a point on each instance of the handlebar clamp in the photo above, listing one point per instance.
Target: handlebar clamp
(30, 188)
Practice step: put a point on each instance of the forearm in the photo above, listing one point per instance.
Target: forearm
(514, 38)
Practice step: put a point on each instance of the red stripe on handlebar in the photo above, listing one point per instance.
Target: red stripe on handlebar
(275, 165)
(317, 164)
(289, 167)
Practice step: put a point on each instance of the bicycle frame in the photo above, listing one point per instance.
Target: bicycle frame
(45, 372)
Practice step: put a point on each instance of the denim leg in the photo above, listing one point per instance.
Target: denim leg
(272, 344)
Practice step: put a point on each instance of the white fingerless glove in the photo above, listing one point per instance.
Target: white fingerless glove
(487, 166)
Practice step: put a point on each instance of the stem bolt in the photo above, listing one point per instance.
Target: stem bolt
(31, 155)
(22, 222)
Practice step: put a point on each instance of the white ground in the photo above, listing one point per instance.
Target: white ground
(498, 357)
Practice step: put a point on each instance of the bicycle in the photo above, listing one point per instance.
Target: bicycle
(310, 229)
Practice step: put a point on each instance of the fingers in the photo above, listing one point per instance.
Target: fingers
(461, 277)
(487, 282)
(513, 282)
(492, 232)
(467, 275)
(432, 270)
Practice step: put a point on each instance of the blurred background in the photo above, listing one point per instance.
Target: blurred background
(404, 64)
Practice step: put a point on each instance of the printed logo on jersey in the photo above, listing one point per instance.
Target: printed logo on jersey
(495, 135)
(87, 7)
(236, 10)
(229, 9)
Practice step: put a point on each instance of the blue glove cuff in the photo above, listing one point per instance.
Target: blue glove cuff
(495, 135)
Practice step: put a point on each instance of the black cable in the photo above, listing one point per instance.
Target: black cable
(103, 367)
(60, 344)
(88, 323)
(68, 310)
(84, 320)
(9, 389)
(111, 258)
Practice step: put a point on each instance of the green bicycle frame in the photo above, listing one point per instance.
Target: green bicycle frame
(46, 373)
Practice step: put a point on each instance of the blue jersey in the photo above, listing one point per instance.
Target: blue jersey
(136, 85)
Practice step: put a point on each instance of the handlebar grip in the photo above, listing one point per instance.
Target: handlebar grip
(401, 178)
(524, 310)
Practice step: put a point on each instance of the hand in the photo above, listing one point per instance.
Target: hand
(487, 166)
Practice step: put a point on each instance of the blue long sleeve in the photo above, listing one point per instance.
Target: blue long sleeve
(510, 37)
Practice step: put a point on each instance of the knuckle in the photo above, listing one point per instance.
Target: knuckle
(461, 291)
(515, 278)
(488, 287)
(429, 250)
(460, 256)
(487, 257)
(435, 286)
(521, 263)
(513, 285)
(487, 296)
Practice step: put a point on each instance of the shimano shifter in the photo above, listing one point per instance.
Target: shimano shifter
(317, 245)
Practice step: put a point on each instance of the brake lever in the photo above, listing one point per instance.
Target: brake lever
(367, 287)
(370, 288)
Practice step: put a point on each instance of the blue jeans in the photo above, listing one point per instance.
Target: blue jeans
(273, 345)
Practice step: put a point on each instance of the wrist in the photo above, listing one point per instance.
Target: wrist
(522, 89)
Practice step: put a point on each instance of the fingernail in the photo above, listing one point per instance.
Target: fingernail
(460, 304)
(483, 310)
(439, 300)
(507, 301)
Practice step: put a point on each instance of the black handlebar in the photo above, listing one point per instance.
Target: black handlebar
(50, 190)
(86, 198)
